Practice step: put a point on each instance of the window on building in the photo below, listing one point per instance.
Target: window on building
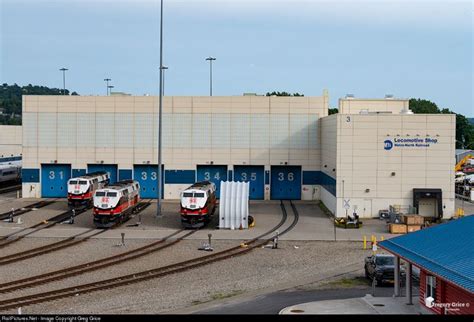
(430, 287)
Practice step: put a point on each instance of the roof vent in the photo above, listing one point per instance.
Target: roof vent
(349, 96)
(406, 111)
(389, 96)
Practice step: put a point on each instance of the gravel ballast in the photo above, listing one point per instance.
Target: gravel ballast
(259, 269)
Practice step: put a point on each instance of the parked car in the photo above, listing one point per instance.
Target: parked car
(381, 267)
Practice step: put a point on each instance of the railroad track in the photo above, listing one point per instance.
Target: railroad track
(21, 211)
(12, 238)
(93, 265)
(152, 273)
(10, 189)
(68, 242)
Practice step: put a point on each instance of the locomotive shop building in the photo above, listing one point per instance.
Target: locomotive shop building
(371, 155)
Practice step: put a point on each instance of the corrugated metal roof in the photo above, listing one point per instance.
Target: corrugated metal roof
(446, 250)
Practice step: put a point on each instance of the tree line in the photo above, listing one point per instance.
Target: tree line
(10, 109)
(10, 100)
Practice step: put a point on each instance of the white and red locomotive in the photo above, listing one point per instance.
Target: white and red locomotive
(198, 204)
(80, 190)
(115, 203)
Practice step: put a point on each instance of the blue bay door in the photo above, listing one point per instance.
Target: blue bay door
(285, 182)
(213, 173)
(147, 176)
(255, 175)
(54, 179)
(111, 169)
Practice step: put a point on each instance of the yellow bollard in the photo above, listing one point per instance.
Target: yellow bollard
(372, 238)
(374, 246)
(381, 238)
(365, 242)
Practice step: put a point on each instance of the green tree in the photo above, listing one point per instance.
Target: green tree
(464, 130)
(333, 110)
(10, 100)
(274, 93)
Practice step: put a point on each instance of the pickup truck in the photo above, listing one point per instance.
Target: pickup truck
(381, 267)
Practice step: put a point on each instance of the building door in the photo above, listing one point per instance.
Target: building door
(111, 169)
(285, 182)
(147, 176)
(427, 207)
(54, 179)
(253, 174)
(213, 173)
(366, 210)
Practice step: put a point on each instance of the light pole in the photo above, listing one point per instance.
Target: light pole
(107, 88)
(160, 175)
(64, 79)
(210, 59)
(164, 68)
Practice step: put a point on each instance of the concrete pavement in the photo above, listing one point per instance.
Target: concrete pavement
(365, 305)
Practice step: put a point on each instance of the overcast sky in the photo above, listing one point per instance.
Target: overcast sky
(416, 48)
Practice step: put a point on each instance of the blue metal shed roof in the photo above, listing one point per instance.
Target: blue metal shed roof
(446, 250)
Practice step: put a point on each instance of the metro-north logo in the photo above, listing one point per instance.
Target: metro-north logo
(388, 144)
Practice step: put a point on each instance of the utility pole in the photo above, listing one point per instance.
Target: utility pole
(164, 68)
(107, 80)
(64, 79)
(160, 175)
(210, 59)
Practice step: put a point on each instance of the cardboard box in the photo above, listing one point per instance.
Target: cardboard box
(413, 220)
(412, 228)
(398, 228)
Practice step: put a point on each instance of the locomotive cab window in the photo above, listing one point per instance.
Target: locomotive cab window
(187, 194)
(199, 195)
(82, 182)
(100, 194)
(73, 182)
(111, 194)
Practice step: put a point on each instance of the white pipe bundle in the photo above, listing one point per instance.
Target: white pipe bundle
(234, 205)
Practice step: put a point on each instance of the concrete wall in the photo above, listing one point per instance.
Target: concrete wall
(368, 155)
(356, 105)
(10, 140)
(329, 130)
(240, 130)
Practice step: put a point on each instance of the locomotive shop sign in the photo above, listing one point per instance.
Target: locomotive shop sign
(389, 144)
